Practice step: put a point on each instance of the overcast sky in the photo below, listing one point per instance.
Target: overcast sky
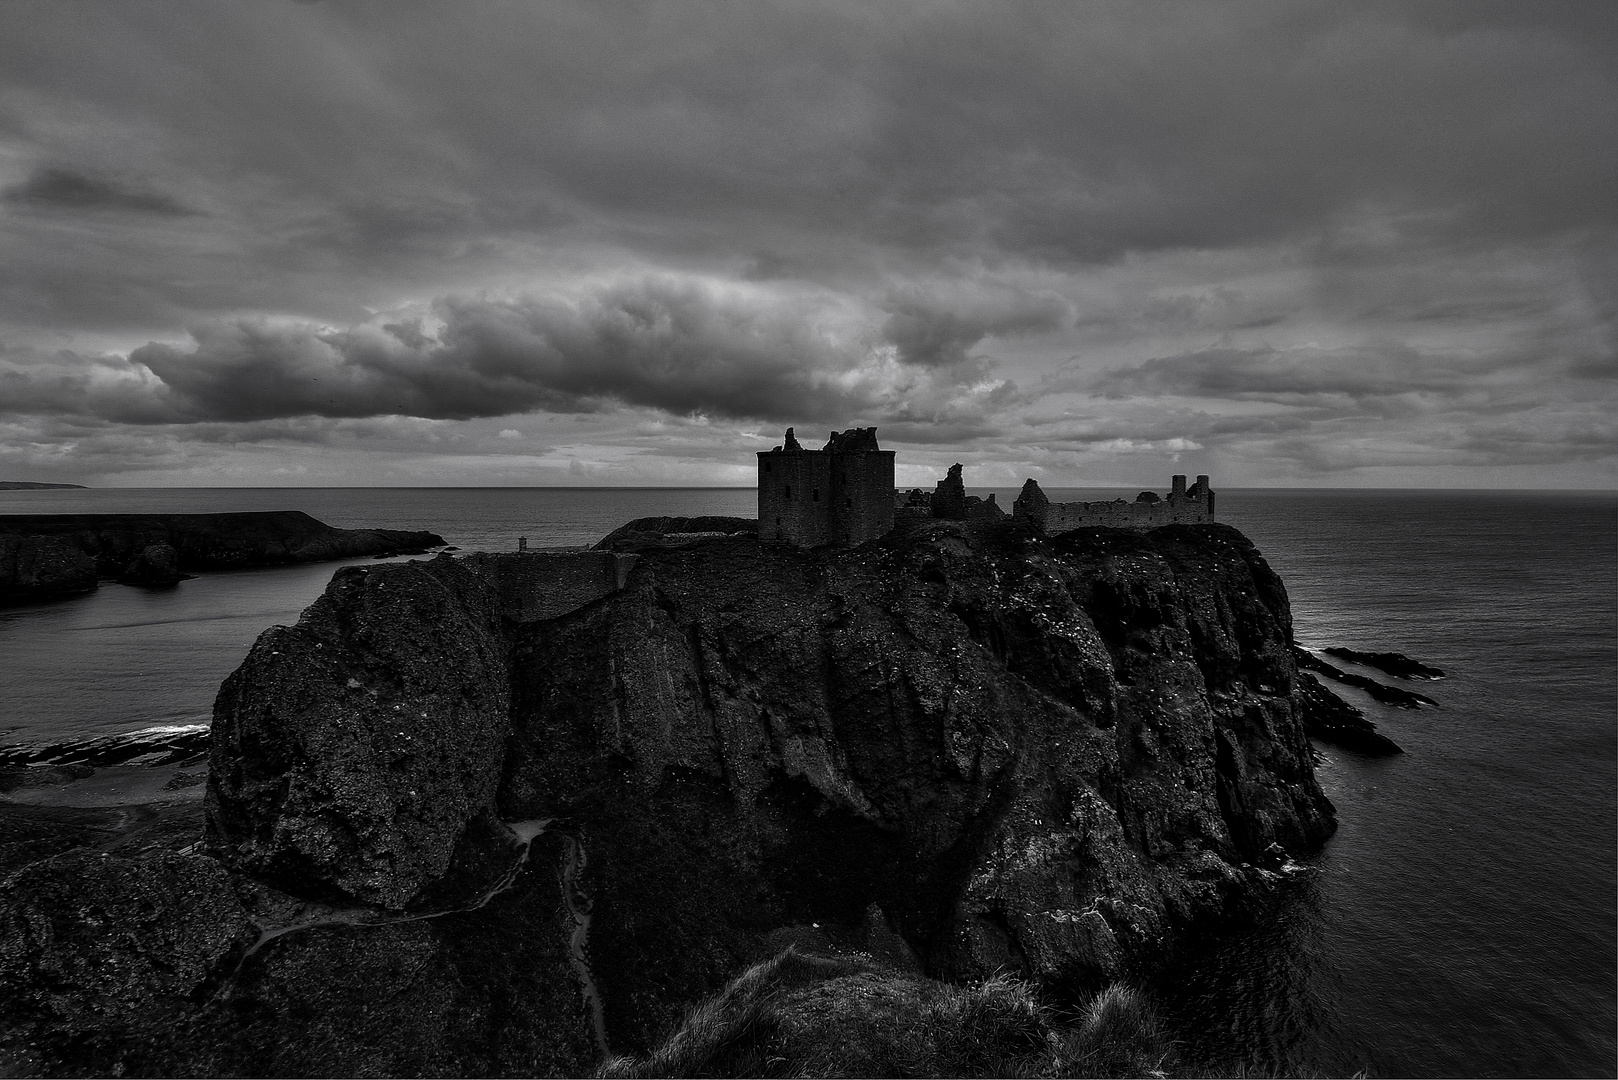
(482, 243)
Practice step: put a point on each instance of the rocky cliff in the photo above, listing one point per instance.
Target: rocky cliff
(45, 555)
(964, 747)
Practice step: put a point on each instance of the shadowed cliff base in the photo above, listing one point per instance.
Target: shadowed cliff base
(965, 748)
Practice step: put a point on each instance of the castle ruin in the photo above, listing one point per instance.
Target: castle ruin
(844, 493)
(1183, 506)
(839, 494)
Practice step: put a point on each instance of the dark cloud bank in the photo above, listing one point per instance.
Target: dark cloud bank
(1348, 243)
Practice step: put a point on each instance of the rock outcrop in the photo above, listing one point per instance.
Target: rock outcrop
(45, 555)
(91, 940)
(351, 751)
(1387, 695)
(1396, 664)
(964, 746)
(157, 564)
(42, 567)
(1329, 718)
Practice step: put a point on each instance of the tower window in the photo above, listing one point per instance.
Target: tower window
(814, 496)
(849, 501)
(789, 491)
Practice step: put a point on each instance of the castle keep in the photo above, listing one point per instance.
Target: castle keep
(843, 493)
(839, 494)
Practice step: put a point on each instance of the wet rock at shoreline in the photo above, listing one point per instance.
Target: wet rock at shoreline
(1396, 664)
(1387, 695)
(1329, 718)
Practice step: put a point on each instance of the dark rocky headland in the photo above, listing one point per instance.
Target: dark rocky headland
(450, 831)
(43, 556)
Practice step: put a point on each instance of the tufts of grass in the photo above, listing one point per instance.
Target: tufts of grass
(736, 1031)
(809, 1016)
(1118, 1034)
(994, 1028)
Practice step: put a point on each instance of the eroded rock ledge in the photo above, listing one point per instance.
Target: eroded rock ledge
(962, 746)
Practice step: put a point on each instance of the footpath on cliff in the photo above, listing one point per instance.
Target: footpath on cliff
(960, 782)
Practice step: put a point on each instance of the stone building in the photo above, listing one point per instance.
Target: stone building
(839, 494)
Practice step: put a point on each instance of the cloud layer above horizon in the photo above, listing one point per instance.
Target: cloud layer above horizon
(344, 242)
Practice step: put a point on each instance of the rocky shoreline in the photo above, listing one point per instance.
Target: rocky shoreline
(962, 750)
(45, 556)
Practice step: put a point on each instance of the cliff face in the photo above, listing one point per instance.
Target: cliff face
(455, 826)
(989, 750)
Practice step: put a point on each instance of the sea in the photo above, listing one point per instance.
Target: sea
(1463, 920)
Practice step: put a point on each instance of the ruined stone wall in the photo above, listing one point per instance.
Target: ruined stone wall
(539, 585)
(1193, 506)
(1121, 514)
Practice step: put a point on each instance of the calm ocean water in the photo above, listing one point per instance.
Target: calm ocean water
(1462, 921)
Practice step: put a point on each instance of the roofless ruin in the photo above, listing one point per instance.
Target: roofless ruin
(844, 493)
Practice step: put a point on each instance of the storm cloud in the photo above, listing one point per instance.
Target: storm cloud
(684, 347)
(1314, 242)
(67, 190)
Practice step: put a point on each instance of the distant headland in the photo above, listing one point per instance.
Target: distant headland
(28, 485)
(49, 555)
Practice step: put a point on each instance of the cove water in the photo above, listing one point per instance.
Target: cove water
(1461, 922)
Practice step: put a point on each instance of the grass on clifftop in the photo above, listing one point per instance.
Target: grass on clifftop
(811, 1016)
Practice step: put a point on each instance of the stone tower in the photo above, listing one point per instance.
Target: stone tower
(839, 494)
